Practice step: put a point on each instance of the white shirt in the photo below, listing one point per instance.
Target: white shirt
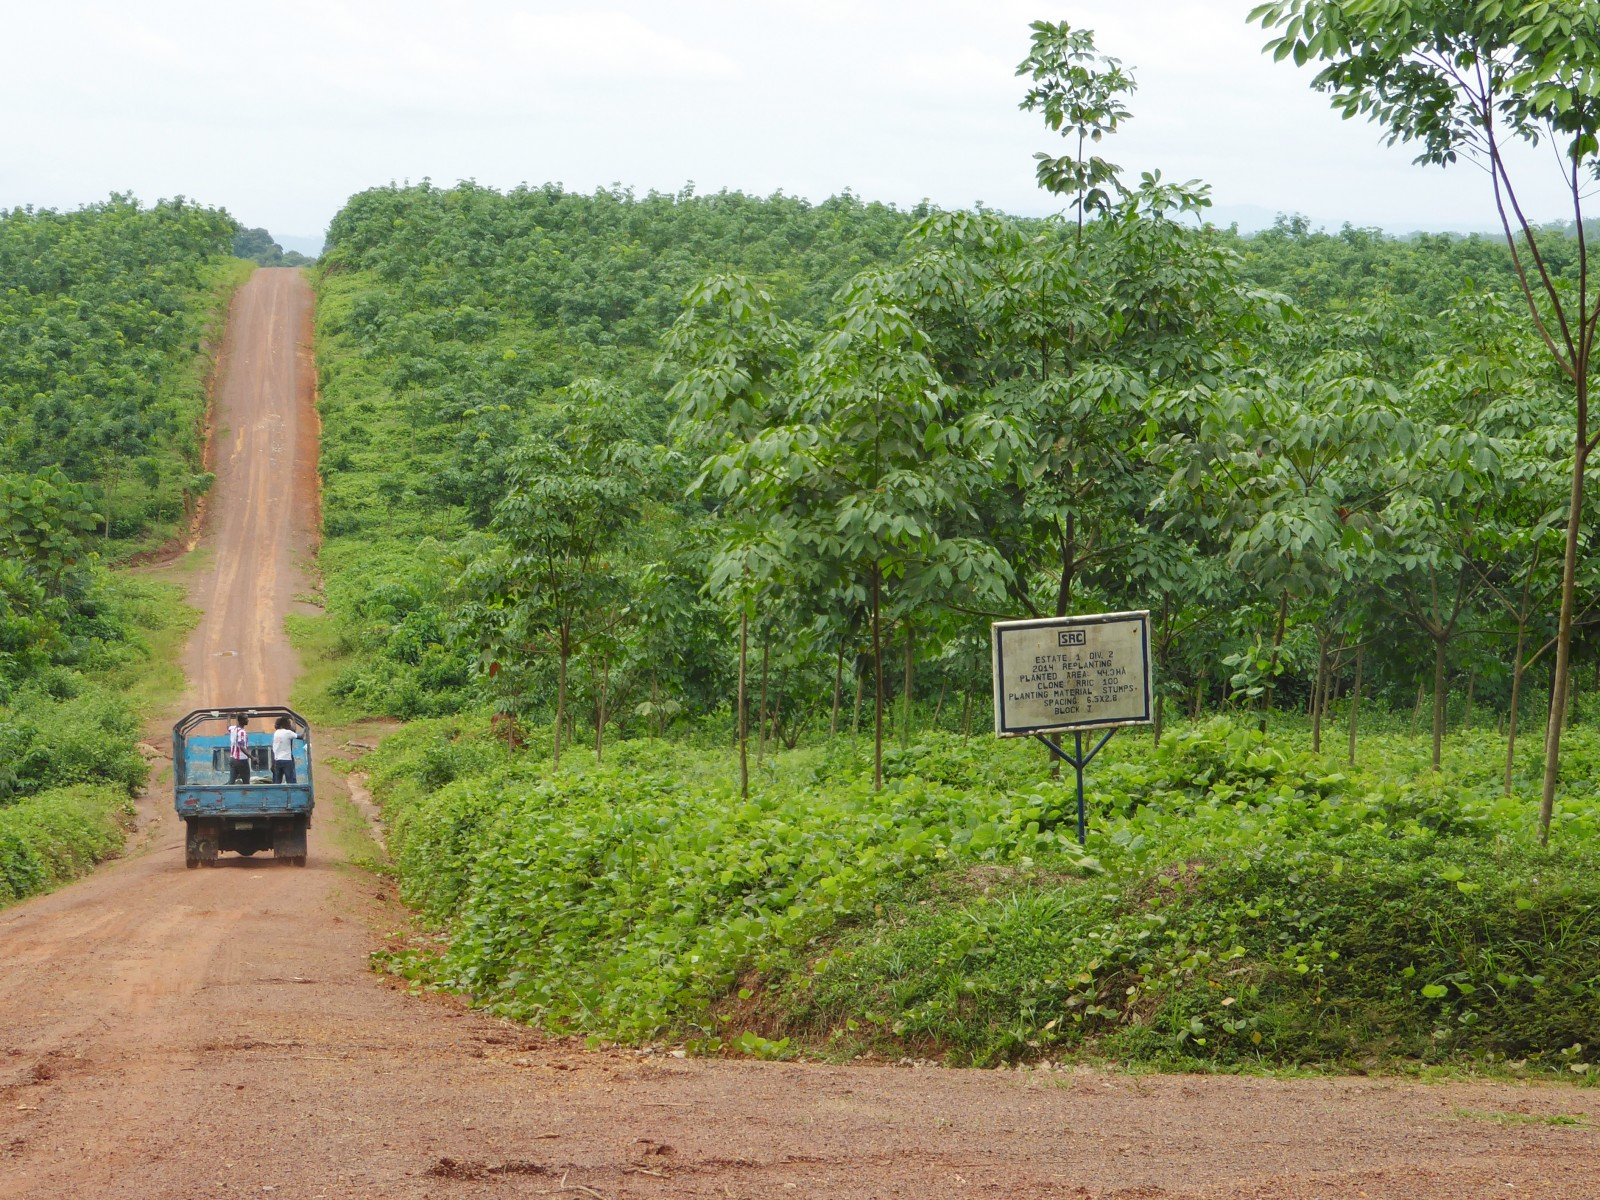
(283, 744)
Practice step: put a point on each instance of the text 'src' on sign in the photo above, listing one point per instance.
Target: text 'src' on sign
(1083, 672)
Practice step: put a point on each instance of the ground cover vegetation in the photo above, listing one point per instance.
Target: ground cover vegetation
(728, 490)
(107, 318)
(1240, 902)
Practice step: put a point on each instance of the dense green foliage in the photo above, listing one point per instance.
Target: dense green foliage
(105, 316)
(1481, 80)
(1240, 901)
(69, 725)
(435, 369)
(450, 323)
(56, 835)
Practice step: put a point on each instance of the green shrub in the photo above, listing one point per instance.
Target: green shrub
(58, 835)
(1240, 900)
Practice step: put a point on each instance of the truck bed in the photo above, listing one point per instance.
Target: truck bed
(206, 791)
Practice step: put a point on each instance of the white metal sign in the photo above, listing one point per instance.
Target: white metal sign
(1065, 673)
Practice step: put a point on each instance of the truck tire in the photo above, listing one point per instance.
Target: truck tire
(200, 843)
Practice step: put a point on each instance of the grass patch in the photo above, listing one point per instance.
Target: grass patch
(1519, 1118)
(152, 680)
(349, 833)
(324, 657)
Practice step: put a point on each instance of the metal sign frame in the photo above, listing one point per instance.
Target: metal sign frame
(997, 633)
(1077, 758)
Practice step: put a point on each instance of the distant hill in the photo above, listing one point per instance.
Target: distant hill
(1253, 218)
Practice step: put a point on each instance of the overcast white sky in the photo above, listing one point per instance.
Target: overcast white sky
(280, 109)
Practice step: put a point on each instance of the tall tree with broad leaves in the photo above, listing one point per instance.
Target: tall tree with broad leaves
(1288, 471)
(857, 488)
(1476, 79)
(736, 358)
(551, 577)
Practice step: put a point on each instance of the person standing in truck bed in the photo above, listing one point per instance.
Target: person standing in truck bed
(283, 751)
(238, 749)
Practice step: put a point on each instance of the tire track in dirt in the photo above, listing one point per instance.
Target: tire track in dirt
(173, 1033)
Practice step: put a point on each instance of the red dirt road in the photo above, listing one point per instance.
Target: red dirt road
(262, 512)
(174, 1033)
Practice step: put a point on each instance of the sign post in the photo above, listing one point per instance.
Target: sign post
(1072, 674)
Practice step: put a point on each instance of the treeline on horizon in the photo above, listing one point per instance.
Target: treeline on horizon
(580, 437)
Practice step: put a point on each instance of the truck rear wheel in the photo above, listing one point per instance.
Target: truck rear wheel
(201, 842)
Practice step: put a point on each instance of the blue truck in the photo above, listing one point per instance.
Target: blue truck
(242, 818)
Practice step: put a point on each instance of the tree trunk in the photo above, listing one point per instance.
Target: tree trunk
(565, 653)
(1355, 701)
(966, 716)
(877, 688)
(1155, 722)
(1199, 696)
(1438, 699)
(905, 686)
(1416, 713)
(1472, 680)
(1068, 542)
(744, 730)
(838, 685)
(1517, 671)
(775, 717)
(600, 709)
(855, 716)
(1319, 698)
(1569, 578)
(761, 710)
(939, 707)
(111, 491)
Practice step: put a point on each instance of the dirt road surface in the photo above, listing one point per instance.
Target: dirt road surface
(174, 1033)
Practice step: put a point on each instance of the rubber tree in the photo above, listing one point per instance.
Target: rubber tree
(1079, 92)
(735, 358)
(1491, 380)
(861, 485)
(1474, 79)
(45, 522)
(551, 576)
(1287, 470)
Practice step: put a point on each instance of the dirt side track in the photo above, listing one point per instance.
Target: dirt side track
(173, 1033)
